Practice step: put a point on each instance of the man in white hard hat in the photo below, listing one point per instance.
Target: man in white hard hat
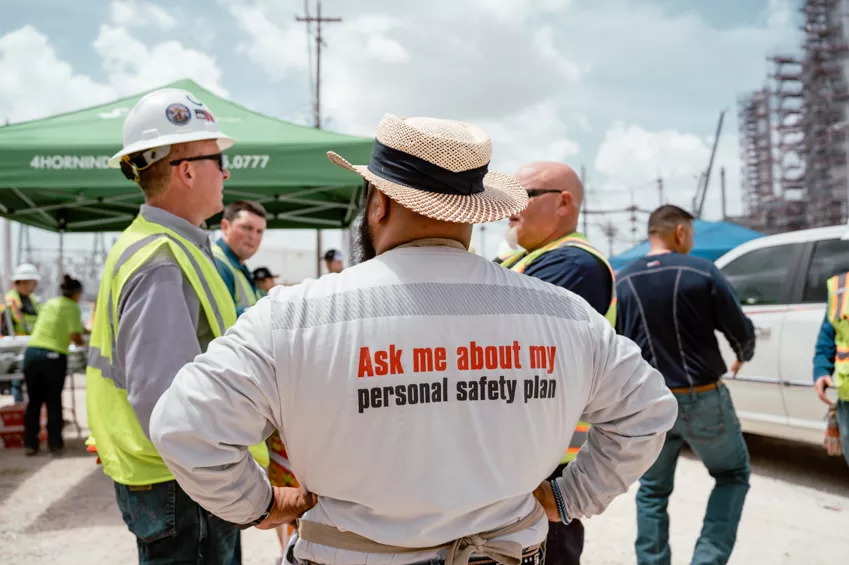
(425, 393)
(160, 303)
(20, 310)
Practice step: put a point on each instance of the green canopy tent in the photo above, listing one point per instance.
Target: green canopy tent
(53, 172)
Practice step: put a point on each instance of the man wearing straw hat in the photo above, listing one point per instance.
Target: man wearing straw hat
(425, 393)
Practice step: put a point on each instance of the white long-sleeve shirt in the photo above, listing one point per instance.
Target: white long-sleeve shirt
(422, 395)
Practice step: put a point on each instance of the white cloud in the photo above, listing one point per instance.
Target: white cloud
(517, 11)
(136, 67)
(35, 83)
(385, 50)
(134, 13)
(780, 13)
(276, 48)
(632, 159)
(535, 133)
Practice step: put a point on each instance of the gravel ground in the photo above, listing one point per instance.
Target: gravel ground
(61, 510)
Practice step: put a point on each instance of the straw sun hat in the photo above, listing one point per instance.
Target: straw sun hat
(438, 168)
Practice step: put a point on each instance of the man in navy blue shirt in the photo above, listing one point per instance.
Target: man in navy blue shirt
(555, 252)
(671, 305)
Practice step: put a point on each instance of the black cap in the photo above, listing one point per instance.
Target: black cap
(263, 273)
(333, 255)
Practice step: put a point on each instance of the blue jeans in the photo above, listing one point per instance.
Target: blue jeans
(708, 423)
(171, 528)
(17, 390)
(843, 424)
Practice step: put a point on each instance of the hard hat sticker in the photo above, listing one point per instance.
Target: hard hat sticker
(204, 115)
(178, 114)
(193, 101)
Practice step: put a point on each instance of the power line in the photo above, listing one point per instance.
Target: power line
(319, 41)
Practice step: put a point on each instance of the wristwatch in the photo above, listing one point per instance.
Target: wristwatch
(262, 516)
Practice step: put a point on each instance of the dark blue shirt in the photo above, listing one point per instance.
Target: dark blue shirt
(671, 305)
(825, 350)
(227, 275)
(575, 270)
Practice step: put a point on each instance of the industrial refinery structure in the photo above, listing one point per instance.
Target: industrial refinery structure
(794, 132)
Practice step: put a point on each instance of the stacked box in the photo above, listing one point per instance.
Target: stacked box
(12, 426)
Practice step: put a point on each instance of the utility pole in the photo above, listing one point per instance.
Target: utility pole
(610, 232)
(722, 186)
(660, 191)
(584, 203)
(318, 43)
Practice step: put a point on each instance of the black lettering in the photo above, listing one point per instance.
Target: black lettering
(529, 389)
(401, 395)
(424, 393)
(375, 397)
(461, 390)
(387, 392)
(362, 397)
(552, 387)
(493, 390)
(413, 394)
(436, 392)
(473, 390)
(511, 390)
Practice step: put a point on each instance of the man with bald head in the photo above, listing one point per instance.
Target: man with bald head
(554, 251)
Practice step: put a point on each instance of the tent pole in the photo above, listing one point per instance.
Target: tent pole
(61, 253)
(7, 251)
(318, 256)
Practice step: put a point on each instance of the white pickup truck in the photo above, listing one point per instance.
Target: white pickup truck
(781, 282)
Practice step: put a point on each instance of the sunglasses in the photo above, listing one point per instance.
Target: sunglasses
(534, 192)
(217, 157)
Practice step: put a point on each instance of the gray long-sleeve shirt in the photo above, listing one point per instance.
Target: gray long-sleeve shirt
(161, 325)
(446, 387)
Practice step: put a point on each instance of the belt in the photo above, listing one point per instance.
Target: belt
(700, 388)
(458, 551)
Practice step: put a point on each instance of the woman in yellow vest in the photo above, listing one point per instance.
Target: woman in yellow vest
(46, 361)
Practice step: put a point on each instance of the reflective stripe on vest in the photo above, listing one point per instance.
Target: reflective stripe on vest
(838, 315)
(127, 455)
(23, 323)
(520, 260)
(245, 294)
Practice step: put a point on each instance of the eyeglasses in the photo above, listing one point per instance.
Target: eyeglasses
(534, 192)
(217, 157)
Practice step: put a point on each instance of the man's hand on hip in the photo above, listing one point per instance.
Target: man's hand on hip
(289, 504)
(545, 495)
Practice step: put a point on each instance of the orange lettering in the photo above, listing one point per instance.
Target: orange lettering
(439, 357)
(365, 369)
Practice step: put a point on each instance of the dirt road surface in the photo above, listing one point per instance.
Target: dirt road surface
(61, 510)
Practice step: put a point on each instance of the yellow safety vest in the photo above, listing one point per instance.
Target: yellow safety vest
(24, 323)
(519, 260)
(246, 296)
(838, 314)
(127, 455)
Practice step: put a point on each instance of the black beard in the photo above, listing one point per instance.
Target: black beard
(362, 244)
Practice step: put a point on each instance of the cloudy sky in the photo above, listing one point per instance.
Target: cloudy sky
(629, 89)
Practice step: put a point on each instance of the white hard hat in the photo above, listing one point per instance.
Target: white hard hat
(162, 118)
(26, 272)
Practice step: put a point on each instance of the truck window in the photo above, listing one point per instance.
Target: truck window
(759, 276)
(830, 257)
